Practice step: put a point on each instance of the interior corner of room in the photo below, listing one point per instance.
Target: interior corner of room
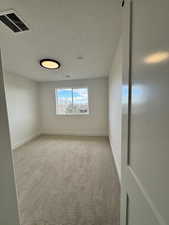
(32, 106)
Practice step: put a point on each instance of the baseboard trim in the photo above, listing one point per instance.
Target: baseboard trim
(25, 140)
(116, 162)
(74, 134)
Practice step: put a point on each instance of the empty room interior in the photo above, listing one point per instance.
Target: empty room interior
(84, 129)
(58, 77)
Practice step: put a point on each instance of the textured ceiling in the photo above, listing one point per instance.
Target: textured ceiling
(82, 35)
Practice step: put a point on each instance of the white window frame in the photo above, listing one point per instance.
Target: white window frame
(72, 114)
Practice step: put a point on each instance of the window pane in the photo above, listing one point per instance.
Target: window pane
(64, 101)
(80, 101)
(72, 101)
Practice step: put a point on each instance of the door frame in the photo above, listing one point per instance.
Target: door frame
(126, 109)
(8, 203)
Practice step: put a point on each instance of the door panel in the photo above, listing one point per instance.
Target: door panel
(140, 208)
(145, 173)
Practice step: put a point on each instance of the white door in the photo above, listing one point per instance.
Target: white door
(8, 202)
(145, 135)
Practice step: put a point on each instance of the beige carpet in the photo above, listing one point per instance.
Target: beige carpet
(64, 180)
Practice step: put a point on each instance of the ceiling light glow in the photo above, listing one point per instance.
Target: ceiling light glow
(156, 57)
(50, 64)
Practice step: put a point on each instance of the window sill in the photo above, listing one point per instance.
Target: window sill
(74, 114)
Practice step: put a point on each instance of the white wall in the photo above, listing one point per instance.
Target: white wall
(94, 124)
(31, 109)
(8, 203)
(115, 82)
(23, 108)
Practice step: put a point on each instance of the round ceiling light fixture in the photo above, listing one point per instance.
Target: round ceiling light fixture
(50, 64)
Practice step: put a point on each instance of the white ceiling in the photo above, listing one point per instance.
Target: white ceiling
(63, 30)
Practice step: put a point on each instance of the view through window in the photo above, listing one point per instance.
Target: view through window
(72, 101)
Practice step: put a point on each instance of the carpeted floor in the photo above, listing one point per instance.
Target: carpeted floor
(64, 180)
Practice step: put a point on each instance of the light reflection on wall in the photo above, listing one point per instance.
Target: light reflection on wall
(137, 94)
(156, 57)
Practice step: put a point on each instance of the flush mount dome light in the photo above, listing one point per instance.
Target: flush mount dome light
(50, 64)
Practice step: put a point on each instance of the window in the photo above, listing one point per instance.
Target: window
(71, 101)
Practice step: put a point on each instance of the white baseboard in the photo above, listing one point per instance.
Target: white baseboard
(73, 134)
(76, 133)
(118, 167)
(24, 141)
